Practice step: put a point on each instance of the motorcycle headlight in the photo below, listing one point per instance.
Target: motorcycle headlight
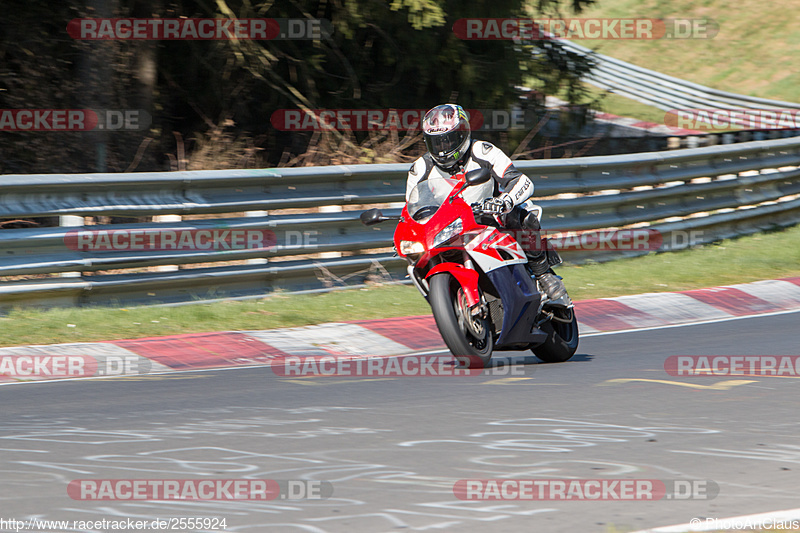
(411, 247)
(453, 229)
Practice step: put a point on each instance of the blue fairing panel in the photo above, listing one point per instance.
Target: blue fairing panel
(520, 303)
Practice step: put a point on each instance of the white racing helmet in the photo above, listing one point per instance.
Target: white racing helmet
(446, 131)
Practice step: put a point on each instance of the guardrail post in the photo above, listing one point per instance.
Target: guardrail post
(70, 221)
(256, 260)
(330, 209)
(166, 218)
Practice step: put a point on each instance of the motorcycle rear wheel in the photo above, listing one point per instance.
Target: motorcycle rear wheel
(447, 302)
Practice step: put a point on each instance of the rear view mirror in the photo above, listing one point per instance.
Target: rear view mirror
(370, 217)
(478, 176)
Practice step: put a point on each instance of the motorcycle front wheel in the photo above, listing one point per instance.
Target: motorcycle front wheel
(463, 334)
(562, 337)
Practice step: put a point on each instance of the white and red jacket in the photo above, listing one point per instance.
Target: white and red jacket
(505, 177)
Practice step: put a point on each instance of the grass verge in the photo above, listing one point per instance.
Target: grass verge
(763, 256)
(749, 55)
(625, 107)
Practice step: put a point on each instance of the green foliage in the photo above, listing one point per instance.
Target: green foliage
(421, 13)
(398, 54)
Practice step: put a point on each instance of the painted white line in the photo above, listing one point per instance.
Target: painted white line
(779, 520)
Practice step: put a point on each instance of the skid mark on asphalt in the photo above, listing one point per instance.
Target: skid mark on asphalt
(174, 443)
(787, 453)
(547, 435)
(720, 385)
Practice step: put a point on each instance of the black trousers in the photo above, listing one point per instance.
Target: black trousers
(541, 254)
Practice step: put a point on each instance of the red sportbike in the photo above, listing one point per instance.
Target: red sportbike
(475, 276)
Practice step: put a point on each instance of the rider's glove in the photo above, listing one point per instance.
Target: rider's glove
(500, 205)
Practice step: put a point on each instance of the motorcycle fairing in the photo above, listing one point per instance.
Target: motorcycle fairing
(521, 301)
(485, 249)
(467, 277)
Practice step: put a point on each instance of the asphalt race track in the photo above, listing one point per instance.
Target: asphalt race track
(392, 448)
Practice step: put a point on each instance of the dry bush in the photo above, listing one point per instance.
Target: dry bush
(217, 149)
(343, 148)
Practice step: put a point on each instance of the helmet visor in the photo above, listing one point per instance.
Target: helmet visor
(445, 144)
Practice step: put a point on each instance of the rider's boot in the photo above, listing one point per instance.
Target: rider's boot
(541, 257)
(550, 283)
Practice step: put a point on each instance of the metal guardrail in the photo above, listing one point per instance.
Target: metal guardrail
(663, 91)
(716, 191)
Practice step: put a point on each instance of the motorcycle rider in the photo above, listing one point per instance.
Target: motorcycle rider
(452, 151)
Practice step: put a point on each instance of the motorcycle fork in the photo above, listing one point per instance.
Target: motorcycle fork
(480, 310)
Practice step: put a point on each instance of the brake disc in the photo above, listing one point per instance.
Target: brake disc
(473, 324)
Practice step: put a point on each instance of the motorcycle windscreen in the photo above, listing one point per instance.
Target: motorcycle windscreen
(427, 196)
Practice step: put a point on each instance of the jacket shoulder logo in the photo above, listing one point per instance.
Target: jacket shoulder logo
(487, 147)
